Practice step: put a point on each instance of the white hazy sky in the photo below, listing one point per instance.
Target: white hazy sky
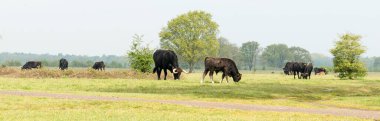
(97, 27)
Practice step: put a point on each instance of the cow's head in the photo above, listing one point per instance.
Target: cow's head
(237, 77)
(177, 73)
(286, 71)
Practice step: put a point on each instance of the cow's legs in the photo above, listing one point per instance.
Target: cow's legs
(204, 75)
(211, 76)
(159, 73)
(298, 74)
(165, 73)
(227, 79)
(223, 75)
(294, 73)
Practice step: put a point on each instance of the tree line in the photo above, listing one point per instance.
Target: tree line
(193, 36)
(48, 60)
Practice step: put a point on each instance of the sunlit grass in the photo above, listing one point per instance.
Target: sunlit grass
(262, 88)
(21, 108)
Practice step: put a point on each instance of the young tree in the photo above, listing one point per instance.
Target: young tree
(298, 54)
(276, 54)
(140, 57)
(249, 51)
(192, 36)
(346, 57)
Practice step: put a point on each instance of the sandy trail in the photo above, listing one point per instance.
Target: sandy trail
(328, 111)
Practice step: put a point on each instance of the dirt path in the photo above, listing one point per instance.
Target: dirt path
(249, 107)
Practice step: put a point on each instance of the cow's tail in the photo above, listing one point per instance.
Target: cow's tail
(155, 70)
(205, 60)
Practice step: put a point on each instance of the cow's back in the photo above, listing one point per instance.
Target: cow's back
(165, 58)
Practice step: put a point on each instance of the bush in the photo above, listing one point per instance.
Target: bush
(140, 58)
(346, 57)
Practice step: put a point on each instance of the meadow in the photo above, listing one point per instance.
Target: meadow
(261, 88)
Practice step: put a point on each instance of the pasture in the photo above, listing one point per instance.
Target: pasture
(262, 88)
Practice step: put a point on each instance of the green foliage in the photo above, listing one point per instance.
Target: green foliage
(192, 36)
(111, 61)
(346, 57)
(376, 64)
(320, 60)
(249, 51)
(12, 63)
(298, 54)
(276, 54)
(140, 58)
(227, 49)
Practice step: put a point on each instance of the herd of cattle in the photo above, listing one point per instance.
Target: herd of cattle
(167, 60)
(63, 65)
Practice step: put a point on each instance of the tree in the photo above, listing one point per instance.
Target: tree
(346, 57)
(227, 49)
(298, 54)
(192, 36)
(320, 60)
(376, 64)
(249, 51)
(140, 57)
(12, 63)
(276, 54)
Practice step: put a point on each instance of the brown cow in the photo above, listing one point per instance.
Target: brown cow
(225, 65)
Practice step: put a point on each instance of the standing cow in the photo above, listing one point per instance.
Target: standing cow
(319, 70)
(63, 64)
(307, 71)
(294, 68)
(225, 65)
(166, 59)
(99, 66)
(32, 64)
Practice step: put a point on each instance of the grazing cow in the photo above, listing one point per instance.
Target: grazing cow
(32, 64)
(63, 64)
(294, 68)
(166, 59)
(319, 70)
(99, 66)
(307, 71)
(225, 65)
(288, 68)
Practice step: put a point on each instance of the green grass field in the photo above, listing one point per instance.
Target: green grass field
(261, 89)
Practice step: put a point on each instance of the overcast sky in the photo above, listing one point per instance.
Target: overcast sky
(97, 27)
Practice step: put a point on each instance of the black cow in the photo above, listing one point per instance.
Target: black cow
(225, 65)
(307, 71)
(166, 59)
(294, 68)
(288, 68)
(63, 64)
(99, 66)
(319, 70)
(32, 64)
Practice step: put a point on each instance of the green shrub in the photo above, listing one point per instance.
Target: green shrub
(140, 58)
